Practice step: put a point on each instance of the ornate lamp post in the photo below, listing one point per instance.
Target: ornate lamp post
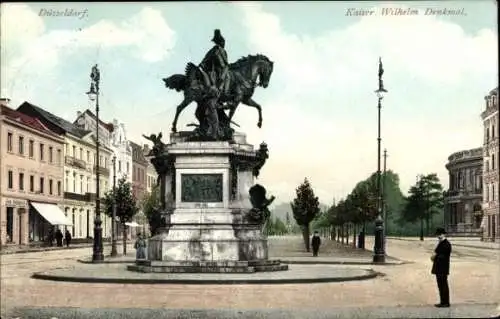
(114, 252)
(379, 249)
(93, 94)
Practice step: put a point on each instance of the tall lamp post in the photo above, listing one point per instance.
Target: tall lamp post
(93, 94)
(114, 252)
(384, 195)
(379, 249)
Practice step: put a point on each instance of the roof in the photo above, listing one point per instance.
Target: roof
(494, 91)
(137, 153)
(108, 126)
(63, 124)
(27, 120)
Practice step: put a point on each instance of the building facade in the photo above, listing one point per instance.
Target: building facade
(122, 151)
(462, 202)
(31, 175)
(79, 166)
(139, 171)
(490, 117)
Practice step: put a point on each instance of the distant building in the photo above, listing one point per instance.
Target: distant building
(491, 219)
(80, 165)
(31, 178)
(463, 211)
(139, 171)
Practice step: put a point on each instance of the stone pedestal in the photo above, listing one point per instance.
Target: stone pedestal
(205, 192)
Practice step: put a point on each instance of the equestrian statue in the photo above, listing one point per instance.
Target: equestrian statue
(216, 85)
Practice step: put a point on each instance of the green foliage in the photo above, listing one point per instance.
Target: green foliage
(151, 208)
(126, 205)
(425, 199)
(275, 226)
(305, 206)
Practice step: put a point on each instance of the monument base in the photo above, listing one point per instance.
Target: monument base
(249, 266)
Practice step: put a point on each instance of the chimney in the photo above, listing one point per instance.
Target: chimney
(5, 102)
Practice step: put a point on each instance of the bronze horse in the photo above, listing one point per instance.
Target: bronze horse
(242, 77)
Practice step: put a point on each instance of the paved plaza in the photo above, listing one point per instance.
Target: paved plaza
(404, 290)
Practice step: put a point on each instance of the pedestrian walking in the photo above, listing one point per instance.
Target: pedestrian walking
(441, 267)
(67, 238)
(140, 246)
(315, 243)
(59, 238)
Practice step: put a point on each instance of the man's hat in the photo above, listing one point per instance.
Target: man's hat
(440, 231)
(217, 36)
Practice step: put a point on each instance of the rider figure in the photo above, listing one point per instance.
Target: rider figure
(215, 62)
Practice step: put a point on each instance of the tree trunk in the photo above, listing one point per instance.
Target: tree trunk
(305, 235)
(124, 235)
(421, 228)
(347, 234)
(342, 232)
(354, 236)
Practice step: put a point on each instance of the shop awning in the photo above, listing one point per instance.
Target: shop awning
(52, 213)
(132, 224)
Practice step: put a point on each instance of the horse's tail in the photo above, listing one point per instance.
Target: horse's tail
(176, 82)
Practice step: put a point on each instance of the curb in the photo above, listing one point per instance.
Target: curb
(34, 250)
(453, 244)
(370, 275)
(284, 261)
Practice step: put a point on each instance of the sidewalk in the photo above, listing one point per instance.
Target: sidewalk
(28, 249)
(471, 242)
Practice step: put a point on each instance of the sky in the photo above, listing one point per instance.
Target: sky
(320, 109)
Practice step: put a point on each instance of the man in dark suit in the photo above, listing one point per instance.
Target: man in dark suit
(441, 267)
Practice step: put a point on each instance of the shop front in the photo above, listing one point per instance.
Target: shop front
(14, 221)
(45, 218)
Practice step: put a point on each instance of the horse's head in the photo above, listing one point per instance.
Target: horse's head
(264, 70)
(253, 67)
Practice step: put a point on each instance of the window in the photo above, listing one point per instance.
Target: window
(58, 188)
(493, 192)
(81, 153)
(493, 131)
(42, 181)
(21, 145)
(88, 184)
(119, 166)
(487, 193)
(42, 150)
(32, 183)
(59, 157)
(66, 182)
(128, 167)
(21, 181)
(74, 182)
(50, 187)
(88, 156)
(51, 155)
(67, 149)
(9, 142)
(74, 151)
(31, 148)
(492, 161)
(81, 184)
(10, 184)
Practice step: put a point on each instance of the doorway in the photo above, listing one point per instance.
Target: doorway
(21, 227)
(10, 224)
(493, 228)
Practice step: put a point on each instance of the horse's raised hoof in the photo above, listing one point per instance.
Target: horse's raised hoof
(259, 125)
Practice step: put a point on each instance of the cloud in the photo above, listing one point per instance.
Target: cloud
(323, 109)
(27, 46)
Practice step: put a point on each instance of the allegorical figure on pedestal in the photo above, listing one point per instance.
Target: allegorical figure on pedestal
(216, 86)
(259, 214)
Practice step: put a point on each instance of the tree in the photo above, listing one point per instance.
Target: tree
(275, 226)
(305, 208)
(151, 207)
(126, 206)
(424, 200)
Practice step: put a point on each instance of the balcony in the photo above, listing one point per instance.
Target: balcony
(102, 170)
(73, 161)
(74, 196)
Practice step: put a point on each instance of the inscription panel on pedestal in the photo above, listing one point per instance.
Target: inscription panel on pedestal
(201, 188)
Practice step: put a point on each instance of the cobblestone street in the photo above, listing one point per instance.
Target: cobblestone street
(474, 278)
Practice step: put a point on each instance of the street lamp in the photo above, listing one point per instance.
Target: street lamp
(93, 94)
(114, 252)
(379, 249)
